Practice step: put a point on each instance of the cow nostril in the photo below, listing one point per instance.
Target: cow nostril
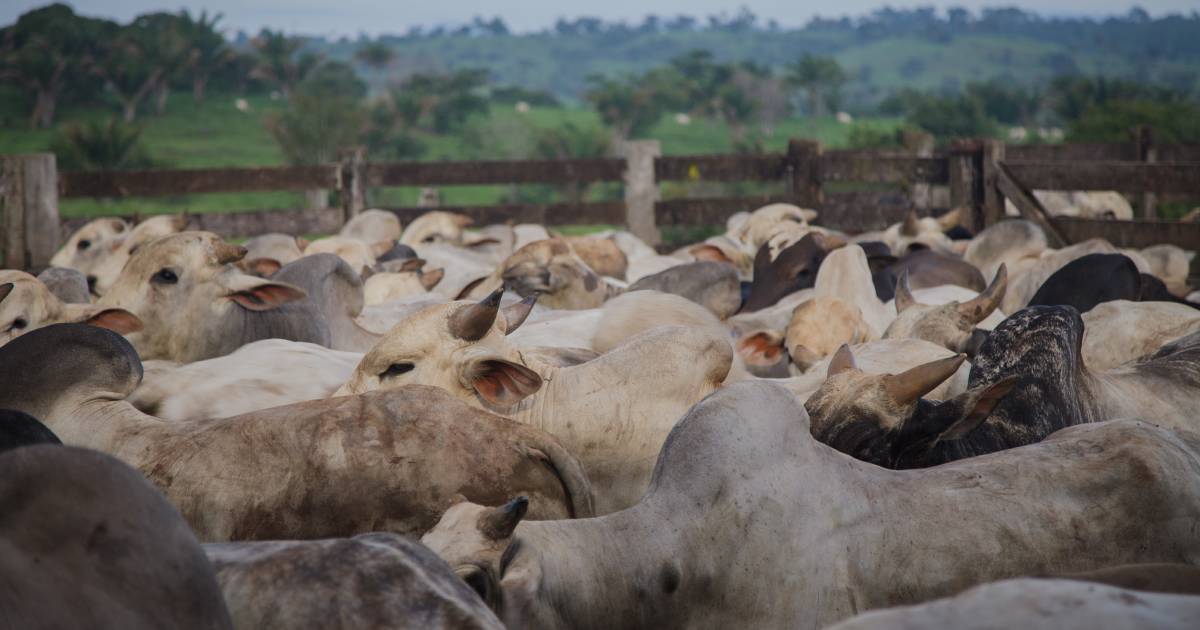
(91, 282)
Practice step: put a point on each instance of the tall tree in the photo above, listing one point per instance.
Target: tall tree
(377, 56)
(629, 107)
(47, 50)
(207, 50)
(281, 60)
(819, 77)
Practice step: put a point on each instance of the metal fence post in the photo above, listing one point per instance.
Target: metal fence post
(641, 189)
(29, 205)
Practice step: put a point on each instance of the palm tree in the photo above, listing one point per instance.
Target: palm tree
(377, 56)
(279, 62)
(820, 77)
(208, 50)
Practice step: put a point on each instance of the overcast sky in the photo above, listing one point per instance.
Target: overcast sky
(349, 17)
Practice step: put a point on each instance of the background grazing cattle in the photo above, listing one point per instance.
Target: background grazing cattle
(368, 581)
(386, 461)
(749, 522)
(19, 429)
(1033, 604)
(89, 544)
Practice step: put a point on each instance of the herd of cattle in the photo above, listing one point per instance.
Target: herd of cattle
(782, 426)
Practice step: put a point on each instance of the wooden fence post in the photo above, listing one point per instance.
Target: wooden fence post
(993, 200)
(920, 144)
(29, 205)
(1143, 142)
(352, 181)
(966, 183)
(804, 161)
(641, 189)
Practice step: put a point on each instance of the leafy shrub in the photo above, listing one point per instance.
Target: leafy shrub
(101, 146)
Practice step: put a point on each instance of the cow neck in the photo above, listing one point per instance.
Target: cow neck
(112, 426)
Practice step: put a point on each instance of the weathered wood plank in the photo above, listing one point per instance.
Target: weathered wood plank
(29, 204)
(597, 212)
(1130, 177)
(1074, 152)
(1027, 204)
(804, 164)
(880, 166)
(1178, 152)
(864, 211)
(162, 183)
(495, 172)
(1135, 234)
(768, 167)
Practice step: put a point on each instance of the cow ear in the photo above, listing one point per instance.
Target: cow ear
(264, 296)
(262, 267)
(974, 406)
(763, 348)
(429, 279)
(710, 253)
(117, 320)
(502, 383)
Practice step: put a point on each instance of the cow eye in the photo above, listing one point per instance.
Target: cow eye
(19, 324)
(84, 244)
(164, 276)
(396, 369)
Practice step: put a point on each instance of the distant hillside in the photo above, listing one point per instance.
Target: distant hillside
(883, 52)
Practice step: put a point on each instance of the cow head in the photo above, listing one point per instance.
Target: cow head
(459, 347)
(90, 245)
(184, 286)
(950, 325)
(552, 270)
(400, 279)
(436, 226)
(359, 255)
(26, 304)
(820, 326)
(795, 268)
(882, 419)
(482, 547)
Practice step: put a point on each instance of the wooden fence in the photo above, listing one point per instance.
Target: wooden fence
(980, 175)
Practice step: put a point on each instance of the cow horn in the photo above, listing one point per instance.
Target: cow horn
(842, 360)
(911, 225)
(498, 523)
(228, 252)
(472, 322)
(516, 314)
(904, 296)
(982, 305)
(908, 386)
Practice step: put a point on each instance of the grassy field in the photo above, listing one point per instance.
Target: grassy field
(217, 134)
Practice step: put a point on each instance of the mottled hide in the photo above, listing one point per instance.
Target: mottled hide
(85, 542)
(1031, 604)
(368, 581)
(386, 461)
(749, 522)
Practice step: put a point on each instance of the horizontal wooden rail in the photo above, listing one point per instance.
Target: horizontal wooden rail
(875, 166)
(164, 183)
(708, 211)
(1136, 234)
(494, 172)
(1074, 152)
(721, 168)
(1129, 177)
